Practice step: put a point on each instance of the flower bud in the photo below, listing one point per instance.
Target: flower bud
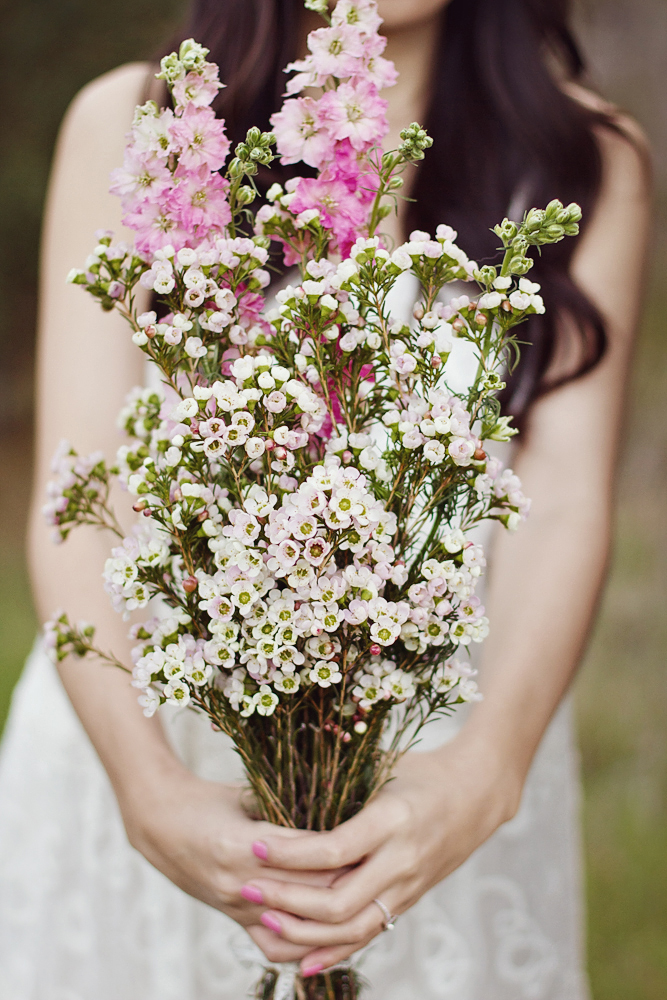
(375, 649)
(245, 195)
(190, 584)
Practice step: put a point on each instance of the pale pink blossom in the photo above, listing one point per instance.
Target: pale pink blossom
(340, 209)
(461, 450)
(198, 88)
(142, 175)
(276, 401)
(356, 112)
(200, 139)
(361, 14)
(151, 131)
(199, 202)
(301, 132)
(337, 51)
(377, 69)
(156, 227)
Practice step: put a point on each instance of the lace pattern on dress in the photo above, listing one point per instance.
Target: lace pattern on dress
(83, 916)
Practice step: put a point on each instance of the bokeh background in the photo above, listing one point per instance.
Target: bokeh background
(50, 50)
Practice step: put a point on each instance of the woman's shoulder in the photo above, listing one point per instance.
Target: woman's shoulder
(91, 143)
(625, 148)
(108, 101)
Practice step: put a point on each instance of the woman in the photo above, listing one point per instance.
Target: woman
(82, 915)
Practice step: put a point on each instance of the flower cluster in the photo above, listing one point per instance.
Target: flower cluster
(308, 477)
(293, 587)
(336, 131)
(171, 190)
(79, 492)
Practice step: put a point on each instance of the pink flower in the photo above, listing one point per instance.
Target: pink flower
(340, 209)
(156, 227)
(356, 613)
(378, 70)
(461, 450)
(362, 14)
(276, 401)
(336, 51)
(200, 203)
(151, 132)
(142, 175)
(200, 138)
(301, 132)
(356, 112)
(198, 88)
(316, 551)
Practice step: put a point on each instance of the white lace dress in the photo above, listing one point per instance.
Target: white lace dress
(83, 916)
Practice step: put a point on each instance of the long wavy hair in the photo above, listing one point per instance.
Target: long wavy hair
(506, 136)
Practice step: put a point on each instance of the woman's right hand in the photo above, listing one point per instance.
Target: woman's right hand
(197, 833)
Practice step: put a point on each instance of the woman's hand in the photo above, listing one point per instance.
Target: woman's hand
(421, 826)
(198, 834)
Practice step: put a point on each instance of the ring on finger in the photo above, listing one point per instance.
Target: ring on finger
(389, 922)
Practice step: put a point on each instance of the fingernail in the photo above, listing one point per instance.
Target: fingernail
(311, 970)
(260, 850)
(252, 893)
(271, 923)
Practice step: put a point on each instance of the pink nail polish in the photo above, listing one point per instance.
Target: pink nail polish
(252, 894)
(311, 970)
(271, 923)
(260, 850)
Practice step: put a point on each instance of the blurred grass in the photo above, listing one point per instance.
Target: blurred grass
(18, 624)
(622, 701)
(622, 688)
(49, 51)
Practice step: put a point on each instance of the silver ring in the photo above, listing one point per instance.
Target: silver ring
(390, 919)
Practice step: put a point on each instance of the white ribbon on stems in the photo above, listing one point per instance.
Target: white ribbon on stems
(285, 988)
(248, 953)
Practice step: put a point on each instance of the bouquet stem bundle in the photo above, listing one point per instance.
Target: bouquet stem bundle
(338, 984)
(306, 479)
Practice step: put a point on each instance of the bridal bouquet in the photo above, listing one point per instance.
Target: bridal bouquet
(306, 480)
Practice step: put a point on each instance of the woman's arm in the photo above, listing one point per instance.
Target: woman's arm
(195, 832)
(544, 589)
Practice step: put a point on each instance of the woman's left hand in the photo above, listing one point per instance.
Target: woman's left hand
(423, 824)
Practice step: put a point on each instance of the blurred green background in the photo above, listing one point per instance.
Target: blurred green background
(49, 51)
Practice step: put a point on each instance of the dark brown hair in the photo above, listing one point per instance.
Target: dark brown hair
(505, 133)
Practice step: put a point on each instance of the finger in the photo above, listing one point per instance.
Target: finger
(276, 948)
(346, 845)
(348, 895)
(363, 926)
(323, 879)
(322, 959)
